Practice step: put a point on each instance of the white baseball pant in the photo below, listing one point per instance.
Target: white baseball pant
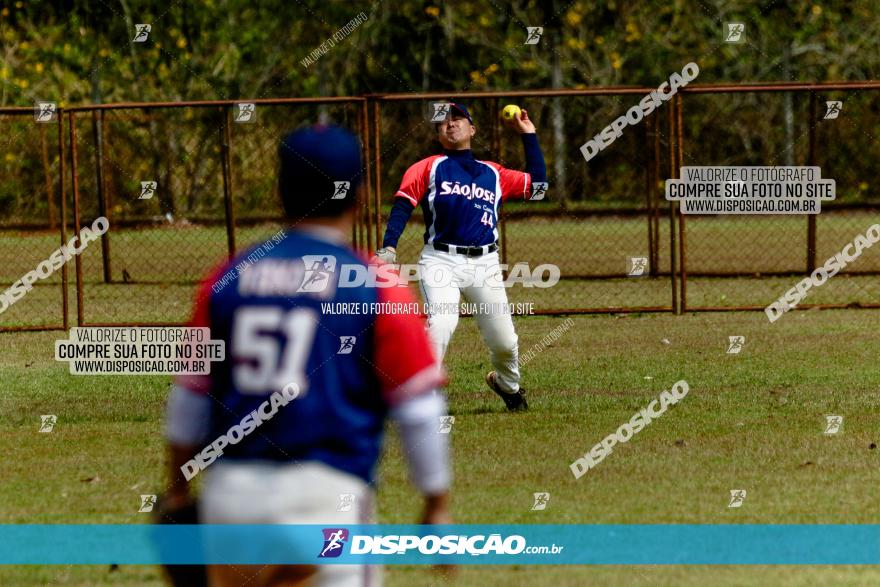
(445, 277)
(287, 493)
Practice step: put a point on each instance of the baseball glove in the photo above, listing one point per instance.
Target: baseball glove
(386, 255)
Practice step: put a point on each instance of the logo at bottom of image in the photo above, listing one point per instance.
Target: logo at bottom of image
(334, 540)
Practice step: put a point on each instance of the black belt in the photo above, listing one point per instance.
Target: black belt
(467, 251)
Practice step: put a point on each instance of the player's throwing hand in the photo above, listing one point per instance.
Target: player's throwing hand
(522, 124)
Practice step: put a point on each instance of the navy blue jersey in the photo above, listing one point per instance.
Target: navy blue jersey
(348, 368)
(461, 196)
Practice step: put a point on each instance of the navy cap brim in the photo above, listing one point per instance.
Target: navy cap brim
(461, 110)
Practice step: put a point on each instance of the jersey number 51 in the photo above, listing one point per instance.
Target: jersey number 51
(260, 367)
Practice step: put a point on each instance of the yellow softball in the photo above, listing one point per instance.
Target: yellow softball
(510, 111)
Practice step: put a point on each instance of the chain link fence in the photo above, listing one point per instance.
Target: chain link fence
(748, 261)
(186, 184)
(32, 204)
(183, 186)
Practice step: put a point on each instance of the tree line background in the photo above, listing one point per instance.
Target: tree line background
(82, 52)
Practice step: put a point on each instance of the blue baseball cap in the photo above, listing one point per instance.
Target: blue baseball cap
(462, 109)
(320, 170)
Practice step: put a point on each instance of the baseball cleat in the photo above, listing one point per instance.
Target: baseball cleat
(515, 402)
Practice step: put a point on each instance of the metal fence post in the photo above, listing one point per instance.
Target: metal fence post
(655, 196)
(226, 161)
(74, 180)
(63, 196)
(98, 134)
(377, 122)
(363, 206)
(673, 245)
(358, 125)
(650, 182)
(359, 129)
(367, 208)
(682, 234)
(813, 157)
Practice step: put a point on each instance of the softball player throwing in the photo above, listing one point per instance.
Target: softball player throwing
(460, 197)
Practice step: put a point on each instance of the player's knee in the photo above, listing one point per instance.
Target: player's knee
(505, 345)
(443, 324)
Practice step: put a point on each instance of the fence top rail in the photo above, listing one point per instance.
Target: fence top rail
(210, 103)
(18, 110)
(623, 90)
(401, 97)
(782, 87)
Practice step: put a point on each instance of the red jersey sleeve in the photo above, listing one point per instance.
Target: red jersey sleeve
(414, 184)
(201, 317)
(402, 354)
(514, 184)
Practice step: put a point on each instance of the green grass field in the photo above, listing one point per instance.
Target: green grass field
(753, 420)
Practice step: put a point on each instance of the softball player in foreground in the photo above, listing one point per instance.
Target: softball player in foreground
(310, 457)
(460, 197)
